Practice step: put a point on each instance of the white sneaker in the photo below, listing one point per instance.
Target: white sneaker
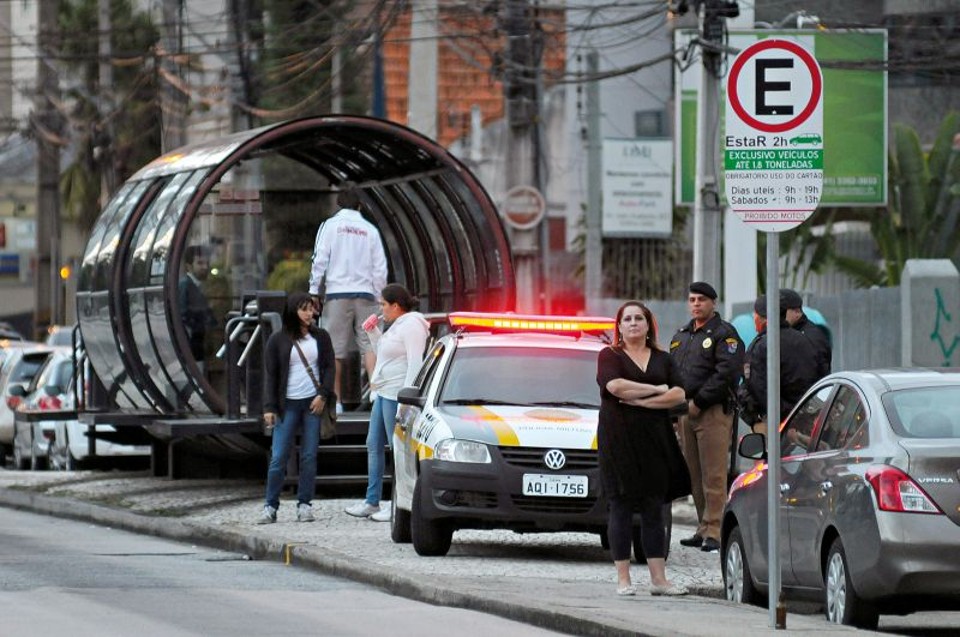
(268, 515)
(361, 510)
(305, 513)
(383, 515)
(339, 409)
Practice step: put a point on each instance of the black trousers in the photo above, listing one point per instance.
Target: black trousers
(620, 527)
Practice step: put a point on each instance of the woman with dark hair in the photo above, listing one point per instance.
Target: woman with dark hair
(299, 364)
(641, 466)
(399, 355)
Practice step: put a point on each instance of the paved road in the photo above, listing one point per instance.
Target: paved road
(561, 582)
(64, 577)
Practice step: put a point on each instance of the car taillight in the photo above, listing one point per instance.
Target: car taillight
(896, 491)
(46, 403)
(13, 402)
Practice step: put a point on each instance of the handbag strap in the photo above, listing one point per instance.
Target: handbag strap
(313, 376)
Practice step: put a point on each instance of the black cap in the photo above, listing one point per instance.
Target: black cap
(760, 306)
(790, 300)
(700, 287)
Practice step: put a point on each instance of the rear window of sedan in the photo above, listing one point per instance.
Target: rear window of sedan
(929, 412)
(523, 375)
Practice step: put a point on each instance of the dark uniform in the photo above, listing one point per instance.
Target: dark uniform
(798, 372)
(817, 336)
(710, 359)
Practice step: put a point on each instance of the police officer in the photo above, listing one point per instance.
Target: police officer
(798, 369)
(816, 334)
(709, 354)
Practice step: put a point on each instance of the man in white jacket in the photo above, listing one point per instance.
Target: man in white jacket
(399, 357)
(350, 262)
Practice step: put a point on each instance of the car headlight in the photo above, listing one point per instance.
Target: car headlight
(453, 450)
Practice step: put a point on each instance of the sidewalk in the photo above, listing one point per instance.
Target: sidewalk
(564, 582)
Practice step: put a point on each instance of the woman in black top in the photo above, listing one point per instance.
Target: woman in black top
(641, 465)
(292, 403)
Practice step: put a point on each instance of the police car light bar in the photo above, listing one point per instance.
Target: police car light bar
(529, 322)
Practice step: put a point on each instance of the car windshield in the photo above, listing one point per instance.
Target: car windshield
(926, 412)
(523, 376)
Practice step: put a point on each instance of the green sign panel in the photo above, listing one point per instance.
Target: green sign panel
(854, 118)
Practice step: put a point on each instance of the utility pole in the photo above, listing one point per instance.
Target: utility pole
(48, 289)
(105, 143)
(422, 86)
(593, 278)
(707, 212)
(173, 103)
(522, 101)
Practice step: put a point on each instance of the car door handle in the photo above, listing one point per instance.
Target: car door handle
(784, 487)
(825, 487)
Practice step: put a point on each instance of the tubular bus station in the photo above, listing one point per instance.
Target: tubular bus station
(253, 202)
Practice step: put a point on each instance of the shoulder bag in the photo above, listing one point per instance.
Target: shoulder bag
(328, 419)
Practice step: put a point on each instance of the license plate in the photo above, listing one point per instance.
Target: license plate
(561, 486)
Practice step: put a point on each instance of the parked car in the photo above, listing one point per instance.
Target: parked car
(65, 444)
(870, 504)
(488, 439)
(31, 439)
(60, 336)
(18, 368)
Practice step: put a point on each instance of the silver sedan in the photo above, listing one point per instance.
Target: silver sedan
(869, 499)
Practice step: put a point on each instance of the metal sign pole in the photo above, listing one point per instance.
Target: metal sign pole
(773, 423)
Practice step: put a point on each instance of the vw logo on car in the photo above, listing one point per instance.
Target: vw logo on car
(554, 459)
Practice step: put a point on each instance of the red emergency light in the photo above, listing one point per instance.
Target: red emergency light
(482, 321)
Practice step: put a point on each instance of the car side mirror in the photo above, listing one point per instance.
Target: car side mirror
(753, 446)
(411, 396)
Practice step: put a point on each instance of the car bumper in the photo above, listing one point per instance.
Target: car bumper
(490, 496)
(917, 556)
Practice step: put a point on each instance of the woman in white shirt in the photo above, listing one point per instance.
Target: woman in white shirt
(399, 352)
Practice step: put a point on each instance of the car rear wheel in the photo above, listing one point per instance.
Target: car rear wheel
(37, 463)
(841, 602)
(4, 450)
(430, 537)
(737, 581)
(19, 461)
(399, 520)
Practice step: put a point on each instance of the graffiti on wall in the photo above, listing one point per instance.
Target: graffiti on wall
(943, 317)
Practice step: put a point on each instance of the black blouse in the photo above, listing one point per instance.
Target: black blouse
(638, 449)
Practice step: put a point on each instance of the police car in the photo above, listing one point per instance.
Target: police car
(500, 431)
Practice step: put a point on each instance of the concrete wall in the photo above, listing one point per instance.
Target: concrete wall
(914, 325)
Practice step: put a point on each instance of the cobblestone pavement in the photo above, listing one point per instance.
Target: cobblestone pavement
(563, 581)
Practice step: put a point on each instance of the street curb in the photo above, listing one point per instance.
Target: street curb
(441, 593)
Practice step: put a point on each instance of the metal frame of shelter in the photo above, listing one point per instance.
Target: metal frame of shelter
(442, 233)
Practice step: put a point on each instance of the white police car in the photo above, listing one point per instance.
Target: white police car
(500, 431)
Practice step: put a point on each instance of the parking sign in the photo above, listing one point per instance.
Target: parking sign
(773, 143)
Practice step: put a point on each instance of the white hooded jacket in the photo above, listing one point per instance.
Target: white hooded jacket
(399, 353)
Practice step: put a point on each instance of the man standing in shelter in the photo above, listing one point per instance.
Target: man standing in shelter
(816, 334)
(195, 311)
(798, 369)
(709, 353)
(349, 262)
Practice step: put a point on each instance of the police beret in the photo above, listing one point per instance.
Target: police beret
(760, 306)
(790, 300)
(700, 287)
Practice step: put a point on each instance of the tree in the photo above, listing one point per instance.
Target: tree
(126, 136)
(921, 219)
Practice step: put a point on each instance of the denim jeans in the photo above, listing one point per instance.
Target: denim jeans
(379, 435)
(296, 418)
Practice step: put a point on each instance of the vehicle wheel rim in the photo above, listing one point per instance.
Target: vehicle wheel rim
(836, 589)
(734, 578)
